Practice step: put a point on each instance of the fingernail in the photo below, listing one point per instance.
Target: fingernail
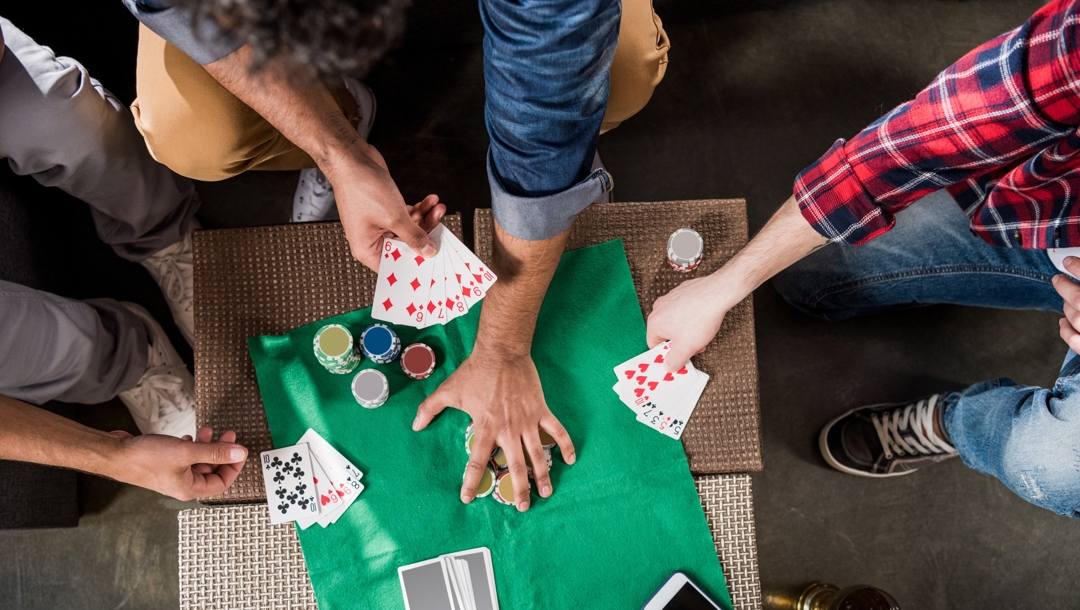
(416, 425)
(466, 498)
(545, 490)
(429, 250)
(570, 459)
(237, 454)
(522, 506)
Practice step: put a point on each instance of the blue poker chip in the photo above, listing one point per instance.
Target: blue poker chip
(380, 343)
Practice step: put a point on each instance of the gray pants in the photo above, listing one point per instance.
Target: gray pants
(63, 128)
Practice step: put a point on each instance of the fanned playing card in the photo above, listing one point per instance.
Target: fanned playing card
(661, 398)
(290, 486)
(343, 476)
(419, 291)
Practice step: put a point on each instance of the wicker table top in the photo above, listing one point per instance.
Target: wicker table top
(231, 557)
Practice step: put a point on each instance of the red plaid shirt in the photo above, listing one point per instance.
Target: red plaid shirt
(998, 129)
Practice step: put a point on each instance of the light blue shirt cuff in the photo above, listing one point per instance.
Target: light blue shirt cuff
(202, 40)
(537, 218)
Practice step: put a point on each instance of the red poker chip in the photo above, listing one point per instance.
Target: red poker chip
(418, 360)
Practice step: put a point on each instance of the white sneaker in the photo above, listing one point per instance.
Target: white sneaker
(173, 270)
(606, 196)
(314, 197)
(163, 402)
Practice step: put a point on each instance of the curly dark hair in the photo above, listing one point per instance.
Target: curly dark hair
(333, 37)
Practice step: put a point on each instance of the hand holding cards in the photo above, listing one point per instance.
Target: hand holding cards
(309, 482)
(661, 398)
(455, 581)
(418, 291)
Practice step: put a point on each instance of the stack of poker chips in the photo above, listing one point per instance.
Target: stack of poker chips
(496, 480)
(334, 349)
(685, 249)
(380, 344)
(417, 361)
(370, 388)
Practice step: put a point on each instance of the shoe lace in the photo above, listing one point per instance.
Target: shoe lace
(160, 389)
(910, 430)
(169, 271)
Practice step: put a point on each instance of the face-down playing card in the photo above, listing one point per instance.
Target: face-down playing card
(455, 581)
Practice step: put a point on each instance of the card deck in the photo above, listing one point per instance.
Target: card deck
(455, 581)
(418, 291)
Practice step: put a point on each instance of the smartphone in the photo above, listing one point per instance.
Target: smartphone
(680, 593)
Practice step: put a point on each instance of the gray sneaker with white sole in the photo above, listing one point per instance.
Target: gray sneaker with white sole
(887, 440)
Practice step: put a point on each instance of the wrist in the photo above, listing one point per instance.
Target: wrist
(345, 157)
(492, 347)
(729, 286)
(105, 455)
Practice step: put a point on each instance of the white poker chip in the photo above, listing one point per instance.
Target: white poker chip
(685, 249)
(370, 388)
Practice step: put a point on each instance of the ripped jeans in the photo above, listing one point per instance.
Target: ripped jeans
(1027, 437)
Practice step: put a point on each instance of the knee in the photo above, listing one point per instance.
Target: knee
(1045, 474)
(802, 289)
(198, 149)
(640, 62)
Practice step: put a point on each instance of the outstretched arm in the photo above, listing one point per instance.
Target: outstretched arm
(182, 468)
(691, 315)
(546, 64)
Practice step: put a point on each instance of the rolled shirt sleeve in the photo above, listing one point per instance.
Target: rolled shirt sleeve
(546, 77)
(202, 40)
(994, 108)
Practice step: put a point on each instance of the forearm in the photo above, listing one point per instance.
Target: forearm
(295, 102)
(525, 268)
(32, 434)
(783, 241)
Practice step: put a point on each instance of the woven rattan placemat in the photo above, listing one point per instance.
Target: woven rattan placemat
(258, 281)
(724, 432)
(231, 557)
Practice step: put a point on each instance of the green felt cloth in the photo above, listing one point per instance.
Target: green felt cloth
(620, 522)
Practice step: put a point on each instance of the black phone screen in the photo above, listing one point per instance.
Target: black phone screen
(688, 598)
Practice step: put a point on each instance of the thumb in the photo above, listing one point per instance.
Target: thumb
(679, 354)
(413, 235)
(429, 410)
(216, 453)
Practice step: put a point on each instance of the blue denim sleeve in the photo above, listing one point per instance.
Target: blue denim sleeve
(202, 40)
(546, 78)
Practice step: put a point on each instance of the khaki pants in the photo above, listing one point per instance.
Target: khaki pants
(198, 129)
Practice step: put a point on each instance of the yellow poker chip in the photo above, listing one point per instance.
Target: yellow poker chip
(487, 483)
(469, 439)
(504, 489)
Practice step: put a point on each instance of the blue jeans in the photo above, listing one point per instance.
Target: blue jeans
(1027, 437)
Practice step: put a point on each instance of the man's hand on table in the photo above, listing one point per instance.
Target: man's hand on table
(181, 468)
(498, 385)
(371, 207)
(502, 394)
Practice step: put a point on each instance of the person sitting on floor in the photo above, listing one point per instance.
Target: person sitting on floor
(65, 130)
(983, 166)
